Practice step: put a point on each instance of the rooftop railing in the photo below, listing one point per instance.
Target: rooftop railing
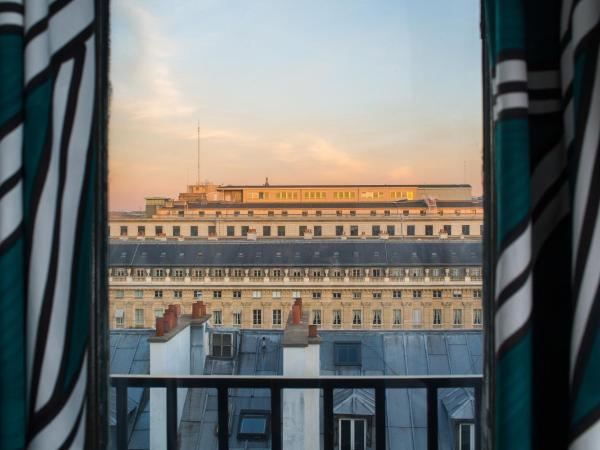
(276, 383)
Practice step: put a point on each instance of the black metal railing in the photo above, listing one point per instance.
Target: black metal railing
(276, 383)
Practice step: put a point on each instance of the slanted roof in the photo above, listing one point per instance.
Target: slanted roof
(130, 354)
(294, 253)
(383, 353)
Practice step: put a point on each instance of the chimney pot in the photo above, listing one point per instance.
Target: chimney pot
(312, 331)
(195, 311)
(166, 323)
(296, 314)
(160, 326)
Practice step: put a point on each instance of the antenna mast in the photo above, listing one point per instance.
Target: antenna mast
(198, 174)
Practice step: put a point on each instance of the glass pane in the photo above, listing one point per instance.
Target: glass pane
(359, 435)
(253, 425)
(345, 435)
(465, 437)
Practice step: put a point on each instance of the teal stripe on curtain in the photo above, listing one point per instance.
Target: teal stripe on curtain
(12, 312)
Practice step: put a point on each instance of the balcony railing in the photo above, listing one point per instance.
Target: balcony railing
(276, 383)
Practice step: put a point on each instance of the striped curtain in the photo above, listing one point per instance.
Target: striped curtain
(545, 133)
(47, 101)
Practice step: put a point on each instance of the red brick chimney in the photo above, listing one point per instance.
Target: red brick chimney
(312, 331)
(160, 326)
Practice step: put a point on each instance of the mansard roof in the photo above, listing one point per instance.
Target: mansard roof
(295, 253)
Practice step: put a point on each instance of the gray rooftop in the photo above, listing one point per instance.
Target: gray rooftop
(382, 353)
(294, 253)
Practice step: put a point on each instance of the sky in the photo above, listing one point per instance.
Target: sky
(300, 91)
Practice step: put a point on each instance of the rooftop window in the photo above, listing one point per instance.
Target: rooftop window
(254, 425)
(347, 354)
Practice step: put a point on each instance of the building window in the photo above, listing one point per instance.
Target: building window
(119, 318)
(416, 316)
(284, 213)
(158, 230)
(477, 316)
(177, 293)
(139, 293)
(457, 317)
(158, 313)
(376, 273)
(410, 230)
(376, 317)
(356, 273)
(448, 229)
(353, 230)
(217, 294)
(123, 231)
(178, 273)
(141, 231)
(256, 294)
(194, 231)
(337, 317)
(270, 213)
(356, 317)
(237, 318)
(176, 230)
(296, 294)
(217, 318)
(222, 344)
(140, 273)
(336, 295)
(456, 293)
(356, 295)
(276, 317)
(338, 213)
(318, 230)
(437, 293)
(352, 213)
(428, 230)
(257, 273)
(158, 293)
(159, 273)
(257, 317)
(466, 230)
(198, 273)
(316, 296)
(352, 434)
(377, 295)
(375, 230)
(391, 230)
(281, 230)
(386, 212)
(212, 230)
(466, 436)
(276, 294)
(230, 230)
(397, 294)
(139, 317)
(266, 230)
(417, 293)
(477, 293)
(197, 294)
(437, 316)
(397, 317)
(339, 230)
(245, 229)
(276, 272)
(347, 354)
(254, 425)
(236, 294)
(316, 317)
(120, 293)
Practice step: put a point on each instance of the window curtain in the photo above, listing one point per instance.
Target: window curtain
(47, 102)
(545, 130)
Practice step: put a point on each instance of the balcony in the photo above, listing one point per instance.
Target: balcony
(276, 384)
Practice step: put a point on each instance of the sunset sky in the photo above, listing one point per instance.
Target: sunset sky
(300, 91)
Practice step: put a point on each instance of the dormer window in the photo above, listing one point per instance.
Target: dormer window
(222, 345)
(347, 353)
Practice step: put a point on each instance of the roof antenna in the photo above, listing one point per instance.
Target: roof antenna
(198, 175)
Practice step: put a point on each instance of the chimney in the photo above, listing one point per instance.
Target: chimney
(301, 357)
(171, 354)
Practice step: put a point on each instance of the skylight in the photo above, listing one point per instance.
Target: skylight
(254, 425)
(347, 354)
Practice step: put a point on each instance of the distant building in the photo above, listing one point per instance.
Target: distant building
(344, 284)
(319, 211)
